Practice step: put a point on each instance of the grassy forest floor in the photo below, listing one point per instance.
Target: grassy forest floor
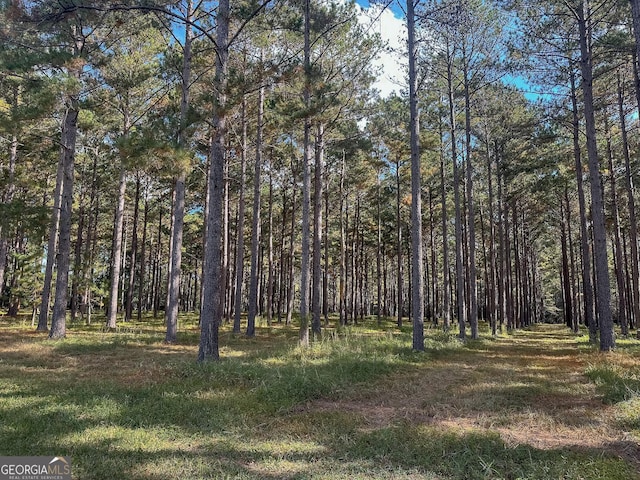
(536, 404)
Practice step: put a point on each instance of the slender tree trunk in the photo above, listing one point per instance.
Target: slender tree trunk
(617, 251)
(306, 182)
(472, 286)
(325, 277)
(587, 288)
(116, 251)
(212, 281)
(502, 254)
(69, 132)
(417, 276)
(270, 269)
(446, 292)
(399, 309)
(282, 261)
(603, 289)
(255, 229)
(143, 255)
(77, 263)
(378, 252)
(316, 325)
(461, 310)
(633, 224)
(492, 249)
(343, 249)
(566, 286)
(43, 316)
(572, 266)
(290, 289)
(134, 253)
(240, 228)
(7, 198)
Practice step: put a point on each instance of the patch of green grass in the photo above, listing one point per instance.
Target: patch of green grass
(616, 383)
(620, 385)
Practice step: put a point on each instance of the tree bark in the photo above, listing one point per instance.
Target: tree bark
(633, 224)
(306, 182)
(43, 316)
(617, 251)
(471, 283)
(446, 291)
(212, 281)
(133, 256)
(116, 251)
(255, 229)
(69, 132)
(399, 280)
(587, 288)
(316, 323)
(603, 288)
(342, 300)
(240, 228)
(461, 310)
(416, 192)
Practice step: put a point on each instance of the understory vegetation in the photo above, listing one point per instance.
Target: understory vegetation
(536, 403)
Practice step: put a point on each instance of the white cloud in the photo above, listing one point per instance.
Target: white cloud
(392, 61)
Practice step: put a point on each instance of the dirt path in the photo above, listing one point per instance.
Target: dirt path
(529, 387)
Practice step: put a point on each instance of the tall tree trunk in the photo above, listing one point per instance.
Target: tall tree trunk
(316, 324)
(69, 132)
(633, 224)
(179, 190)
(290, 289)
(471, 283)
(133, 257)
(7, 198)
(461, 310)
(240, 228)
(399, 303)
(603, 288)
(492, 249)
(255, 229)
(212, 281)
(325, 277)
(116, 251)
(306, 181)
(587, 288)
(270, 269)
(343, 250)
(378, 251)
(416, 192)
(572, 266)
(617, 251)
(446, 292)
(143, 255)
(502, 257)
(43, 316)
(566, 283)
(77, 263)
(157, 269)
